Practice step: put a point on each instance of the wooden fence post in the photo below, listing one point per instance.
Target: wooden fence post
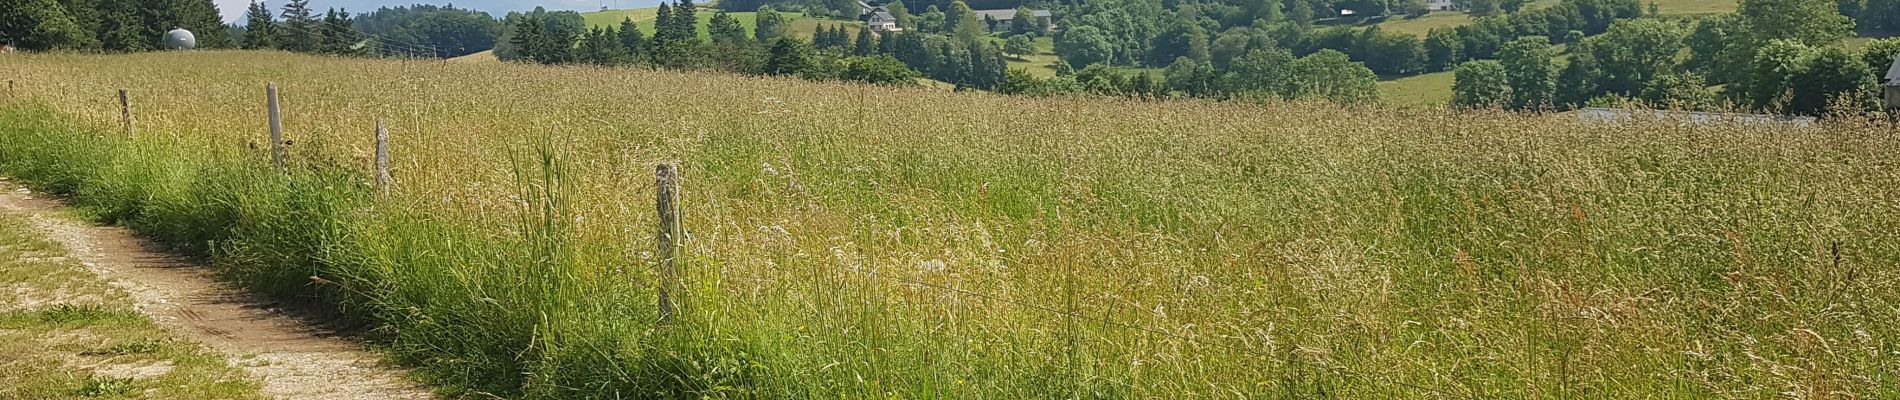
(10, 94)
(382, 158)
(276, 126)
(125, 111)
(666, 181)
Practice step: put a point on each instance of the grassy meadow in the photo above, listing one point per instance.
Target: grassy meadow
(801, 25)
(864, 242)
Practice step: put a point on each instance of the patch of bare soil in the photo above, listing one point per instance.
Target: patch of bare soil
(293, 358)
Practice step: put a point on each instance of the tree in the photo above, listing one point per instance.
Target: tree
(1577, 84)
(1481, 7)
(632, 39)
(1413, 8)
(1879, 54)
(198, 16)
(1830, 76)
(1331, 75)
(1390, 53)
(1260, 74)
(962, 22)
(685, 21)
(602, 47)
(1300, 12)
(866, 44)
(1773, 70)
(1810, 22)
(723, 28)
(1530, 72)
(1025, 21)
(259, 27)
(788, 57)
(39, 25)
(442, 30)
(1632, 52)
(1020, 46)
(1679, 92)
(338, 34)
(1708, 41)
(878, 71)
(770, 26)
(1480, 84)
(1443, 49)
(1084, 45)
(300, 27)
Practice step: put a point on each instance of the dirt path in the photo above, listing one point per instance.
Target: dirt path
(293, 359)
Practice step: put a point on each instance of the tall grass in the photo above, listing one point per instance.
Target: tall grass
(863, 242)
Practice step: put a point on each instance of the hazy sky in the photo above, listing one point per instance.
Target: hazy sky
(233, 10)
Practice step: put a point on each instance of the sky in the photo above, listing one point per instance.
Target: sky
(233, 10)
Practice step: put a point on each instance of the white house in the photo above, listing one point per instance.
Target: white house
(881, 20)
(1441, 5)
(1893, 84)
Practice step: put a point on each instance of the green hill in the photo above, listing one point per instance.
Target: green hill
(802, 26)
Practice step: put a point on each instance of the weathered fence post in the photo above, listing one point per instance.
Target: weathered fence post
(666, 181)
(276, 126)
(125, 111)
(10, 95)
(382, 158)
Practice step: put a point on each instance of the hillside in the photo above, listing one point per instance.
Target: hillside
(801, 26)
(979, 246)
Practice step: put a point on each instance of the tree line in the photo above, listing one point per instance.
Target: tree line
(1780, 56)
(111, 25)
(834, 52)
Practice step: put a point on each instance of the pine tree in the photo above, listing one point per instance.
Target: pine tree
(338, 35)
(39, 24)
(866, 43)
(260, 28)
(663, 23)
(602, 47)
(686, 21)
(725, 29)
(300, 27)
(632, 39)
(787, 57)
(122, 29)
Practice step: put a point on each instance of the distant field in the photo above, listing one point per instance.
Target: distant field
(1422, 25)
(1451, 19)
(1426, 89)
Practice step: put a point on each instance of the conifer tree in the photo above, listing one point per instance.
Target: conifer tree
(686, 21)
(300, 27)
(632, 39)
(260, 28)
(663, 23)
(769, 26)
(866, 43)
(725, 29)
(338, 34)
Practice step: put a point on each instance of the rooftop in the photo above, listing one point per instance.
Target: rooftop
(1893, 73)
(1008, 14)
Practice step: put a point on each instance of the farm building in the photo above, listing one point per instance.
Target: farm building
(881, 20)
(1893, 84)
(1441, 5)
(1000, 18)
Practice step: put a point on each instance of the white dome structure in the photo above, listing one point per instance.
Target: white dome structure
(180, 39)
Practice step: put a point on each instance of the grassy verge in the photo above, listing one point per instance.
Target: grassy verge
(65, 334)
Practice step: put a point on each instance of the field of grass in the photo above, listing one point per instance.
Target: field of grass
(1423, 25)
(1445, 19)
(1422, 89)
(987, 246)
(66, 334)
